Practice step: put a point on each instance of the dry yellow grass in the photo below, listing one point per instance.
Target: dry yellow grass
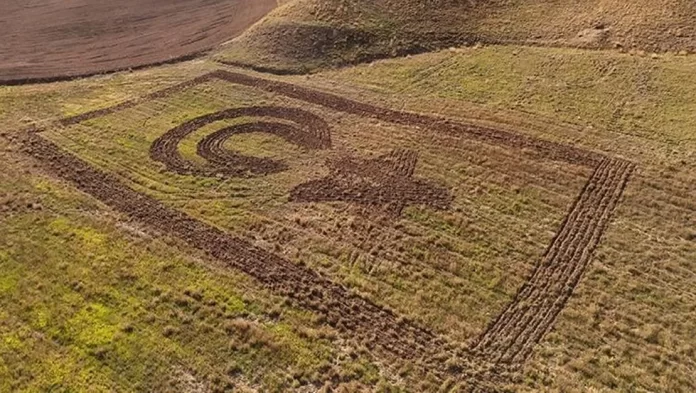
(92, 302)
(629, 325)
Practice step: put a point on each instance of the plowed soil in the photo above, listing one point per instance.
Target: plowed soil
(309, 131)
(46, 40)
(354, 315)
(538, 147)
(383, 183)
(509, 339)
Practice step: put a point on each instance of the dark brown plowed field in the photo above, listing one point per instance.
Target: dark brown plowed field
(45, 40)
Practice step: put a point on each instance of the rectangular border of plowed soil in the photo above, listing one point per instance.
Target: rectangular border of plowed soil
(508, 340)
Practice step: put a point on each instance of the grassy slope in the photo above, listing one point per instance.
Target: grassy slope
(629, 325)
(308, 34)
(449, 270)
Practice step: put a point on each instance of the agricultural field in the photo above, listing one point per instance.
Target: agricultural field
(504, 216)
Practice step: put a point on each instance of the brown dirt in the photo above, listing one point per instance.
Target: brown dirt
(46, 40)
(311, 132)
(539, 148)
(384, 183)
(509, 339)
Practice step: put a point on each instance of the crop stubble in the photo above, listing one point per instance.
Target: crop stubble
(509, 339)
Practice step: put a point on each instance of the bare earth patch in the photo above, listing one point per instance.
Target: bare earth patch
(61, 39)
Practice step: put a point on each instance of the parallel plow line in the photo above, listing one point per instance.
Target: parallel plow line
(351, 314)
(309, 131)
(511, 337)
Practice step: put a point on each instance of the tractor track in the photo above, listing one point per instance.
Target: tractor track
(351, 314)
(541, 148)
(511, 337)
(383, 184)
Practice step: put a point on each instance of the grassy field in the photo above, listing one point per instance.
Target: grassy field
(93, 301)
(627, 328)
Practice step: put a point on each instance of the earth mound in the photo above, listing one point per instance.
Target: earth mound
(309, 34)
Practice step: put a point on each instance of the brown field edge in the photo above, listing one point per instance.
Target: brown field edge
(509, 339)
(56, 40)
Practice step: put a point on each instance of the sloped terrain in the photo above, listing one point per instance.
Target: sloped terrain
(516, 216)
(310, 34)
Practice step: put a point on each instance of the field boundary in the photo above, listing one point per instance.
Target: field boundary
(509, 339)
(23, 81)
(104, 38)
(511, 336)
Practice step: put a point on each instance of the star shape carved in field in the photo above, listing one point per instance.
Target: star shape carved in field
(385, 183)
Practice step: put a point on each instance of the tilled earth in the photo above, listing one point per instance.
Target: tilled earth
(314, 134)
(504, 345)
(46, 40)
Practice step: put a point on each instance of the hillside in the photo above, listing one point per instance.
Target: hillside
(512, 211)
(309, 34)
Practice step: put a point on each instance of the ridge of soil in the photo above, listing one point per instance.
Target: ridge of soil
(511, 336)
(540, 148)
(384, 183)
(350, 313)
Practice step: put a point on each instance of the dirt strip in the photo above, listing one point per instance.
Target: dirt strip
(72, 120)
(512, 336)
(225, 162)
(509, 339)
(540, 148)
(385, 184)
(543, 149)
